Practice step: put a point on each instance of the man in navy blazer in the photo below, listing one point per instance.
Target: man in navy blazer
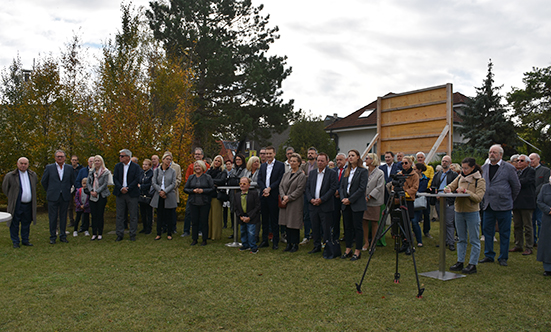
(502, 188)
(269, 176)
(390, 167)
(57, 181)
(320, 192)
(126, 177)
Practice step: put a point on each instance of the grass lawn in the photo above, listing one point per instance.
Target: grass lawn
(165, 285)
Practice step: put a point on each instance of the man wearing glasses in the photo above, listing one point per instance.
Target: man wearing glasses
(126, 177)
(57, 181)
(524, 206)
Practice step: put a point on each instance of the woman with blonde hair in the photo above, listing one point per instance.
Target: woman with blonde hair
(217, 172)
(164, 198)
(253, 165)
(374, 196)
(98, 180)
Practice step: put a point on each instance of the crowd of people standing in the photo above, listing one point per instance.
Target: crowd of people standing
(281, 198)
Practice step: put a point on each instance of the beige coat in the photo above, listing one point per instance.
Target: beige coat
(293, 187)
(11, 187)
(476, 187)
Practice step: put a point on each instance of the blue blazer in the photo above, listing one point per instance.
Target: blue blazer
(393, 170)
(275, 178)
(132, 178)
(327, 192)
(55, 187)
(357, 190)
(503, 189)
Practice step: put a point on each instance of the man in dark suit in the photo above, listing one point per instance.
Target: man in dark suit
(442, 179)
(390, 167)
(320, 191)
(269, 176)
(20, 188)
(126, 177)
(502, 188)
(524, 206)
(310, 165)
(247, 209)
(57, 181)
(339, 171)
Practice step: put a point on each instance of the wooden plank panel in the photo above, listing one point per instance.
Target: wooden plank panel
(412, 146)
(414, 98)
(412, 129)
(412, 114)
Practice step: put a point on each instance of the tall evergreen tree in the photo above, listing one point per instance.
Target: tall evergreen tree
(484, 119)
(237, 85)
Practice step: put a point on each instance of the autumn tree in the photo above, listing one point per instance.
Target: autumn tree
(236, 84)
(484, 119)
(532, 106)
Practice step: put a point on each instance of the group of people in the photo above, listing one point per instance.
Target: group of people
(281, 198)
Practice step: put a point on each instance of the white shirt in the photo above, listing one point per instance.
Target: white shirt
(269, 168)
(26, 194)
(319, 181)
(124, 174)
(350, 176)
(60, 171)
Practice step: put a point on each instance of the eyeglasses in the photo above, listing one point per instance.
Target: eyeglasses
(405, 163)
(521, 161)
(122, 155)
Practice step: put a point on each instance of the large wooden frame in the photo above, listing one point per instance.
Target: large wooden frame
(419, 120)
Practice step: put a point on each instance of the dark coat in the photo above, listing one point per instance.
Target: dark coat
(526, 199)
(503, 189)
(253, 206)
(437, 180)
(357, 190)
(145, 183)
(55, 187)
(275, 178)
(327, 191)
(132, 178)
(395, 168)
(204, 182)
(542, 177)
(219, 178)
(82, 173)
(544, 244)
(11, 186)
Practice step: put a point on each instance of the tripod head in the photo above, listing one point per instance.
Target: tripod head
(398, 181)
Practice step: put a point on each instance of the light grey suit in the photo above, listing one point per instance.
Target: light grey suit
(170, 186)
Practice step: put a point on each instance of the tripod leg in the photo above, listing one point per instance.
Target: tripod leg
(419, 289)
(397, 249)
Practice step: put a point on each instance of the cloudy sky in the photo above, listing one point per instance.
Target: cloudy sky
(344, 54)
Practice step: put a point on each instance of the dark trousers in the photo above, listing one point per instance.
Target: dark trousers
(270, 217)
(321, 222)
(85, 216)
(353, 227)
(21, 216)
(124, 202)
(164, 218)
(306, 218)
(337, 219)
(293, 235)
(97, 210)
(187, 217)
(146, 211)
(426, 218)
(199, 220)
(57, 211)
(503, 219)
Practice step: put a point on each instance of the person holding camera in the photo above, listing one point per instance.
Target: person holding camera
(411, 185)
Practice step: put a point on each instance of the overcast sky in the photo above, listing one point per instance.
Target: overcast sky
(344, 54)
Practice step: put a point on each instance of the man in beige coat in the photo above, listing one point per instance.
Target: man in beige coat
(20, 187)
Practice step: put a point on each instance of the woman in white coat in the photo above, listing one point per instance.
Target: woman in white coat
(375, 196)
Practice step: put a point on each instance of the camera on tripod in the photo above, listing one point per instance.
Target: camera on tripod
(398, 181)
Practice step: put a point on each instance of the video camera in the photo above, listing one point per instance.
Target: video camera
(398, 181)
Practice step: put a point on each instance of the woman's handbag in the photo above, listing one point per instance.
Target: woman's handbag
(144, 199)
(280, 203)
(222, 196)
(420, 203)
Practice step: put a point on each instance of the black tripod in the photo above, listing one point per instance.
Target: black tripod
(400, 225)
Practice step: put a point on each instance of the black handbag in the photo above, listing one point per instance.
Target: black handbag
(332, 250)
(222, 196)
(144, 199)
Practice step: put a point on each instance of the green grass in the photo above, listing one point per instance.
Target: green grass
(165, 285)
